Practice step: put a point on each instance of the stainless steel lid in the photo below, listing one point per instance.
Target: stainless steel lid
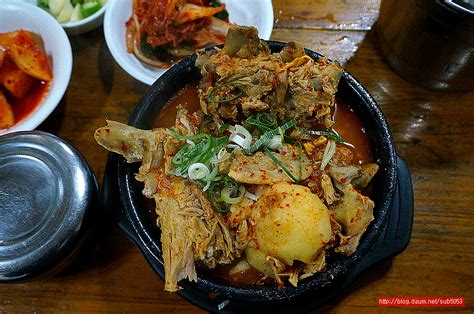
(46, 193)
(466, 6)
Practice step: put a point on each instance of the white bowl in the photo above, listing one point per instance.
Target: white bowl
(19, 15)
(258, 13)
(84, 25)
(87, 24)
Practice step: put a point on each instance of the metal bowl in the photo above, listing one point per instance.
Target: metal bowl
(207, 292)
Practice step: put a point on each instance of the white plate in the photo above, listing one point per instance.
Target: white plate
(16, 15)
(258, 13)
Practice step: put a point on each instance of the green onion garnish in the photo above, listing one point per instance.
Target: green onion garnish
(224, 128)
(201, 152)
(204, 123)
(179, 159)
(231, 196)
(329, 134)
(268, 135)
(225, 193)
(263, 121)
(214, 197)
(279, 163)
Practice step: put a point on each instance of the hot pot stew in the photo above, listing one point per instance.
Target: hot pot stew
(259, 172)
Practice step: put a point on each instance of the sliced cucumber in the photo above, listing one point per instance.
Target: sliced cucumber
(55, 6)
(89, 8)
(76, 14)
(66, 13)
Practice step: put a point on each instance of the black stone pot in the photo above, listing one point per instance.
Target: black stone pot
(387, 235)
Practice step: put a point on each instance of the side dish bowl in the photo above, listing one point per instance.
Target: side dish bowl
(20, 15)
(251, 13)
(136, 220)
(83, 26)
(89, 23)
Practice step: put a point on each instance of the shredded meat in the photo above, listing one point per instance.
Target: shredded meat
(354, 212)
(290, 84)
(190, 229)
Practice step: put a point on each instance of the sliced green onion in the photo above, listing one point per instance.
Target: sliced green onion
(179, 158)
(241, 136)
(210, 178)
(201, 152)
(275, 142)
(221, 156)
(225, 193)
(279, 163)
(263, 121)
(215, 145)
(329, 134)
(228, 195)
(186, 125)
(268, 135)
(204, 123)
(210, 97)
(214, 196)
(224, 128)
(198, 171)
(43, 4)
(252, 196)
(329, 152)
(198, 152)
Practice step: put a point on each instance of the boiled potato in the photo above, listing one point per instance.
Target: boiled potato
(291, 223)
(257, 259)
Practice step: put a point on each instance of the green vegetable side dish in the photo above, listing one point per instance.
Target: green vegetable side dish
(66, 11)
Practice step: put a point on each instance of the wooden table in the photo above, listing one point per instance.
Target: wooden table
(433, 132)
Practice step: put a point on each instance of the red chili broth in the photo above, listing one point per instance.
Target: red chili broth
(350, 128)
(187, 97)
